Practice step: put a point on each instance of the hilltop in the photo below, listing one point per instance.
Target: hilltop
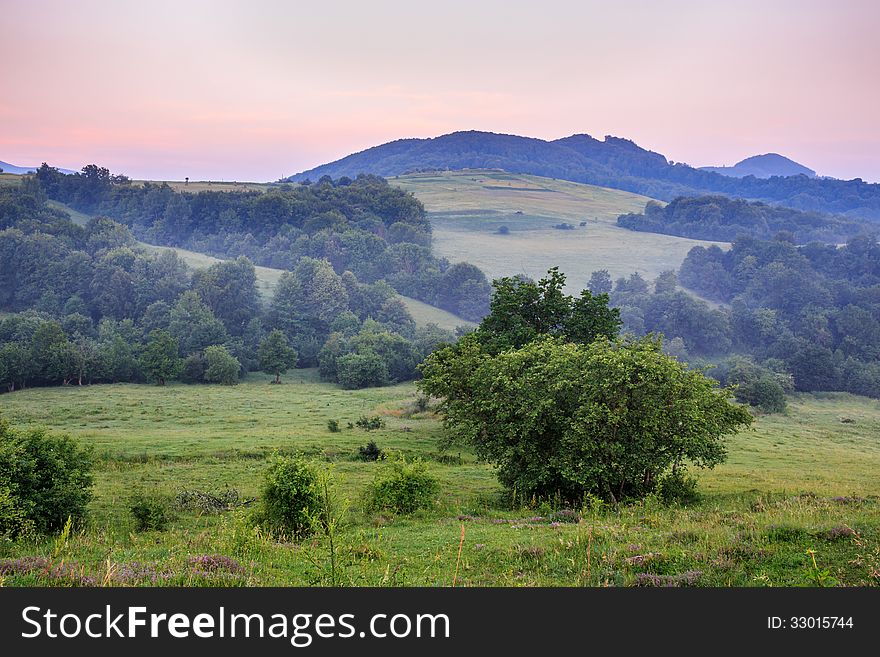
(764, 166)
(12, 168)
(613, 162)
(468, 208)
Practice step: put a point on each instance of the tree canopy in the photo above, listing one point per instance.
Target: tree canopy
(563, 408)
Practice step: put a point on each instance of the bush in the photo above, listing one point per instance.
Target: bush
(355, 371)
(149, 513)
(678, 487)
(333, 426)
(503, 230)
(46, 479)
(765, 393)
(402, 487)
(13, 520)
(221, 366)
(290, 499)
(370, 423)
(193, 369)
(370, 452)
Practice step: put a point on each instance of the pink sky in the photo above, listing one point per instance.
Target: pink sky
(258, 90)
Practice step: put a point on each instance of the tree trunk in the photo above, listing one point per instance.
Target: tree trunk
(161, 381)
(277, 377)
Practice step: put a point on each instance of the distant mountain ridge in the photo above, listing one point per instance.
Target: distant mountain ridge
(613, 162)
(764, 166)
(11, 168)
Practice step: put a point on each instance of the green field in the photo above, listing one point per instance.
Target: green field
(467, 208)
(796, 482)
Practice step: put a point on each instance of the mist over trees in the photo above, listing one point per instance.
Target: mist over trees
(87, 299)
(723, 219)
(790, 317)
(87, 304)
(361, 225)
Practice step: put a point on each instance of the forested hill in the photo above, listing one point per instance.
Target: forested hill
(363, 226)
(612, 162)
(764, 166)
(724, 219)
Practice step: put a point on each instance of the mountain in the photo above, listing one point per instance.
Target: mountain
(613, 162)
(764, 166)
(11, 168)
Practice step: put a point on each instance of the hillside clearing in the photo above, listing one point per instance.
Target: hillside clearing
(468, 207)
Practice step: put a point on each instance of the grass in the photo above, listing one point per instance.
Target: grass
(796, 482)
(467, 208)
(196, 186)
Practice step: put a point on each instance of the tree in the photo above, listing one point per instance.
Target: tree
(193, 324)
(160, 359)
(609, 418)
(276, 355)
(361, 370)
(15, 365)
(521, 310)
(229, 289)
(221, 366)
(600, 282)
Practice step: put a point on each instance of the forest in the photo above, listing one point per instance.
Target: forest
(87, 304)
(724, 219)
(807, 317)
(363, 225)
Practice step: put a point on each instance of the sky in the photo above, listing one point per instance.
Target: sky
(261, 89)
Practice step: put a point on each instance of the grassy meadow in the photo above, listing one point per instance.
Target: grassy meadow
(798, 482)
(467, 208)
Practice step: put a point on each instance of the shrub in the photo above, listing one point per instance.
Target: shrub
(370, 423)
(503, 230)
(221, 366)
(149, 513)
(765, 393)
(46, 479)
(290, 499)
(364, 370)
(13, 520)
(402, 487)
(678, 486)
(333, 426)
(193, 369)
(370, 452)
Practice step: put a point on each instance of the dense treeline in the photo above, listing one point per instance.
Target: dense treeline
(612, 162)
(723, 219)
(805, 317)
(88, 305)
(364, 226)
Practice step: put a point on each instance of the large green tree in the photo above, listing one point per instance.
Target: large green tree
(276, 355)
(160, 359)
(609, 419)
(521, 310)
(545, 390)
(221, 366)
